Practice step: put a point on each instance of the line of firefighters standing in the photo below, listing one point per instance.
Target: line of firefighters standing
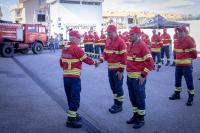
(133, 52)
(159, 45)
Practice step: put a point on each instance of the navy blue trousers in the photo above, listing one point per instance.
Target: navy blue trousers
(116, 86)
(185, 71)
(136, 93)
(91, 49)
(165, 51)
(156, 57)
(102, 48)
(97, 51)
(72, 89)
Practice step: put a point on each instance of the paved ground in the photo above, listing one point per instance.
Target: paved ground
(32, 99)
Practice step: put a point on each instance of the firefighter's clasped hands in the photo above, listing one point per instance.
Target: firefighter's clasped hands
(97, 63)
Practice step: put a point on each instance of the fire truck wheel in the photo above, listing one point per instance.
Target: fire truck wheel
(24, 51)
(7, 50)
(37, 48)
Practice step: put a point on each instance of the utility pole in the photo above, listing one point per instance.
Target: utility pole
(1, 14)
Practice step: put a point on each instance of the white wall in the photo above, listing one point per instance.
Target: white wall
(194, 31)
(75, 14)
(30, 7)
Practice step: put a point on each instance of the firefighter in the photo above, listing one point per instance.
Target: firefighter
(71, 62)
(185, 52)
(139, 64)
(90, 44)
(102, 41)
(145, 39)
(96, 46)
(166, 42)
(175, 37)
(115, 55)
(85, 42)
(120, 35)
(126, 38)
(156, 46)
(51, 44)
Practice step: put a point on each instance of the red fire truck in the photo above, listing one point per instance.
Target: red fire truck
(21, 38)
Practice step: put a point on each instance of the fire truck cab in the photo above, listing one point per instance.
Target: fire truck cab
(21, 38)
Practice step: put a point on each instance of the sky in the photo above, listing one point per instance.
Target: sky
(5, 5)
(179, 6)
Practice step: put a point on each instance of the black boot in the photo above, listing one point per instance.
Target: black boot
(133, 119)
(175, 96)
(73, 123)
(154, 67)
(167, 64)
(140, 122)
(162, 62)
(158, 68)
(190, 100)
(173, 64)
(78, 117)
(115, 109)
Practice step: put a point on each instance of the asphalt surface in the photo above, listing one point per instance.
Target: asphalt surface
(32, 99)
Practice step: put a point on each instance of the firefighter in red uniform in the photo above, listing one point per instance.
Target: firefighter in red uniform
(145, 39)
(96, 46)
(90, 44)
(166, 41)
(185, 52)
(120, 35)
(71, 62)
(85, 42)
(175, 37)
(139, 63)
(102, 41)
(156, 46)
(126, 38)
(115, 55)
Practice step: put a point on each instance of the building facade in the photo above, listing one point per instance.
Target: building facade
(26, 11)
(60, 15)
(124, 19)
(82, 15)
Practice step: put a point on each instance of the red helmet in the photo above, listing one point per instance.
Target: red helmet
(111, 28)
(182, 29)
(75, 34)
(135, 29)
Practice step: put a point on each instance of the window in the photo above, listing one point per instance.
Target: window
(41, 17)
(70, 1)
(31, 29)
(91, 3)
(41, 29)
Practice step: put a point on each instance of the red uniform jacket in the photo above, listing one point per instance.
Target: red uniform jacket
(72, 58)
(139, 60)
(102, 39)
(96, 40)
(121, 36)
(85, 39)
(156, 44)
(146, 40)
(175, 37)
(89, 39)
(126, 38)
(166, 39)
(115, 54)
(185, 51)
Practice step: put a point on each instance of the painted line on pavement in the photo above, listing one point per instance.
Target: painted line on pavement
(89, 127)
